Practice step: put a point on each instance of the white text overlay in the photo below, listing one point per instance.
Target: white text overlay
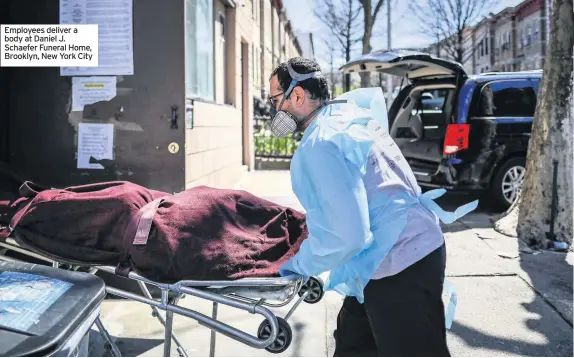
(48, 45)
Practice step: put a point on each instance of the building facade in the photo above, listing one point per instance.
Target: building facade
(504, 48)
(229, 62)
(531, 34)
(181, 113)
(481, 36)
(440, 49)
(515, 39)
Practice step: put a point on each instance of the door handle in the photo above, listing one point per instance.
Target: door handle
(174, 116)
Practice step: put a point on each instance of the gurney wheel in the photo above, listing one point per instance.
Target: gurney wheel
(284, 336)
(315, 289)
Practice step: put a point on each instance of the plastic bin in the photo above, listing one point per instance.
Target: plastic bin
(45, 311)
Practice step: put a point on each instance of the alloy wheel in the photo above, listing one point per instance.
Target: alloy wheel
(512, 183)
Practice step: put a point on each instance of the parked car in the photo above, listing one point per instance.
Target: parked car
(471, 134)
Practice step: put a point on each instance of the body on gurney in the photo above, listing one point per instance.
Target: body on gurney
(281, 230)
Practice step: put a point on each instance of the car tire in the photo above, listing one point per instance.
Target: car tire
(507, 183)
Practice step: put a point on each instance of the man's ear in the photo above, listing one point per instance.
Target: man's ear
(298, 96)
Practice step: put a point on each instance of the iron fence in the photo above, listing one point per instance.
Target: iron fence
(269, 146)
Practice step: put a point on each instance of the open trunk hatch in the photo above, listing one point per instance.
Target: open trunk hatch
(421, 122)
(403, 63)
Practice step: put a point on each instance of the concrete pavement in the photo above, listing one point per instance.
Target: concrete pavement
(511, 302)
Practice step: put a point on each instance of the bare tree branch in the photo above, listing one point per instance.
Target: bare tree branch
(369, 18)
(448, 22)
(341, 17)
(376, 12)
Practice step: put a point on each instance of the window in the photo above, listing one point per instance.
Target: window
(486, 39)
(221, 85)
(529, 38)
(199, 48)
(256, 62)
(516, 98)
(255, 4)
(431, 111)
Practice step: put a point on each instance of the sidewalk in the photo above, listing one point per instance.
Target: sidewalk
(510, 302)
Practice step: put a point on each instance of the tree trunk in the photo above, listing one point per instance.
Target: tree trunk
(348, 75)
(460, 47)
(348, 44)
(368, 17)
(366, 76)
(551, 140)
(332, 74)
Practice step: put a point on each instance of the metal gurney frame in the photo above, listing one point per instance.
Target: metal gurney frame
(274, 333)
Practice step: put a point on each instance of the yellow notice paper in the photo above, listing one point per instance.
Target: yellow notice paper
(89, 90)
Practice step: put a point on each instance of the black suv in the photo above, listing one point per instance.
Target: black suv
(459, 132)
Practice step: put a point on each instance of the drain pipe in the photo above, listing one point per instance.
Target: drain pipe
(551, 235)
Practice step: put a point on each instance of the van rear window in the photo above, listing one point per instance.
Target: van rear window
(508, 98)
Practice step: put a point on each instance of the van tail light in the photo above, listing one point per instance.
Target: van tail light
(456, 138)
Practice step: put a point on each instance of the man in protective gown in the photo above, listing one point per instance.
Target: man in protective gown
(372, 232)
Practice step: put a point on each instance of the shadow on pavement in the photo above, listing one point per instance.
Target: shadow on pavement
(548, 315)
(298, 331)
(451, 201)
(550, 274)
(129, 347)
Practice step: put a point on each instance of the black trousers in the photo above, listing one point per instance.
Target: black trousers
(402, 315)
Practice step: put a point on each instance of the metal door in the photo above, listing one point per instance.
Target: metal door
(147, 112)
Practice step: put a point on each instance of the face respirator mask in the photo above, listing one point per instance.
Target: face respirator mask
(283, 122)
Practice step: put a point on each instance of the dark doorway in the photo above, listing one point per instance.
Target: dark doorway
(5, 75)
(245, 100)
(39, 130)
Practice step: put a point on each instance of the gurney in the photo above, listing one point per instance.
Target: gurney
(47, 312)
(220, 245)
(254, 295)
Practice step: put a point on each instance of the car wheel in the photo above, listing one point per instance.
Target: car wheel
(508, 182)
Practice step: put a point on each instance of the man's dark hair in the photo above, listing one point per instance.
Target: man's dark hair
(316, 86)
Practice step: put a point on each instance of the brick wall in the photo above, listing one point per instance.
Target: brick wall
(220, 144)
(504, 45)
(530, 41)
(213, 146)
(218, 149)
(482, 48)
(244, 39)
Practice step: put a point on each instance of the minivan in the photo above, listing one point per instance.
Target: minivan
(457, 131)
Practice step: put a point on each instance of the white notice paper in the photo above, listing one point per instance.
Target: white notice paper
(95, 140)
(115, 29)
(89, 90)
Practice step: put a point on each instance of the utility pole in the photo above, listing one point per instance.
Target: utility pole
(333, 87)
(389, 77)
